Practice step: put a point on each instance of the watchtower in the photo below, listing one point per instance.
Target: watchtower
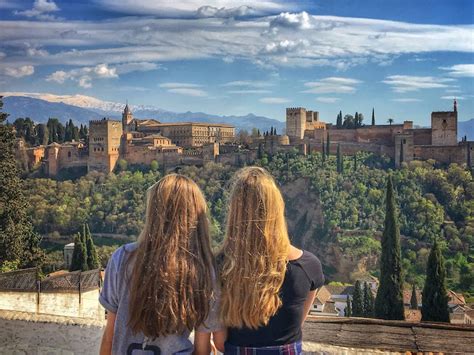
(444, 127)
(104, 144)
(295, 122)
(127, 118)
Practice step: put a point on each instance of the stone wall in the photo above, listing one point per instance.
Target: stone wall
(23, 333)
(58, 303)
(443, 154)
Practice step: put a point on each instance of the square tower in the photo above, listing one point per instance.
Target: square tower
(444, 128)
(104, 144)
(295, 122)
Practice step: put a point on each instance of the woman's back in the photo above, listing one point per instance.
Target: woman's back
(302, 276)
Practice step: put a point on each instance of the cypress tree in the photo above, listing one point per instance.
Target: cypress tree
(92, 259)
(323, 152)
(357, 301)
(355, 162)
(368, 301)
(413, 299)
(389, 300)
(339, 160)
(18, 242)
(356, 120)
(435, 296)
(348, 310)
(373, 117)
(328, 145)
(339, 120)
(401, 152)
(79, 255)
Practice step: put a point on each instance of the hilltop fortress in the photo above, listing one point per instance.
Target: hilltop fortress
(143, 142)
(401, 142)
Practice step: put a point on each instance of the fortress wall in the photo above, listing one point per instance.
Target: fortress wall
(143, 155)
(443, 154)
(422, 136)
(381, 134)
(59, 304)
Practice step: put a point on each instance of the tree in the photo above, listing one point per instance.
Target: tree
(92, 260)
(368, 301)
(356, 120)
(390, 121)
(323, 151)
(19, 244)
(355, 162)
(435, 296)
(339, 160)
(401, 152)
(154, 165)
(389, 300)
(79, 255)
(357, 301)
(328, 145)
(339, 120)
(348, 310)
(348, 122)
(41, 133)
(413, 299)
(373, 116)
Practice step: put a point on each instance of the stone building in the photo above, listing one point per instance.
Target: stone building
(104, 144)
(401, 142)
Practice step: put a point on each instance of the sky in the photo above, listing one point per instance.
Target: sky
(404, 58)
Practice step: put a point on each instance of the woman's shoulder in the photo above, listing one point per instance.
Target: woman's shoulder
(312, 267)
(118, 256)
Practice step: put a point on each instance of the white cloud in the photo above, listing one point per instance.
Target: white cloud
(19, 72)
(337, 85)
(186, 89)
(460, 70)
(179, 85)
(249, 91)
(327, 100)
(300, 20)
(453, 97)
(40, 10)
(84, 76)
(2, 55)
(192, 7)
(409, 83)
(274, 100)
(210, 11)
(248, 83)
(298, 39)
(406, 99)
(188, 92)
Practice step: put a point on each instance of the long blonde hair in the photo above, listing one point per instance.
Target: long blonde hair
(254, 254)
(171, 277)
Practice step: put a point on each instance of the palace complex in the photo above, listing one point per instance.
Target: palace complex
(139, 141)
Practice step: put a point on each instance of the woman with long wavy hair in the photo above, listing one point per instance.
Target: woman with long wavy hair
(267, 285)
(162, 287)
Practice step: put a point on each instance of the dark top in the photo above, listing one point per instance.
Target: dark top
(302, 275)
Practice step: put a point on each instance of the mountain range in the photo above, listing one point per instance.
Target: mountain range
(82, 109)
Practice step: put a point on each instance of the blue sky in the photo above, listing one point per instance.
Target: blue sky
(405, 58)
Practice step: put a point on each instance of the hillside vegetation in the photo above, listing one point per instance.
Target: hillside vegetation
(338, 216)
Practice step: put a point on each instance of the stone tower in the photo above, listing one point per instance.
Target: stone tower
(444, 127)
(127, 118)
(104, 144)
(295, 122)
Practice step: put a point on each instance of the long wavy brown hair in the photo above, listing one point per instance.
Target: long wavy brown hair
(171, 275)
(252, 261)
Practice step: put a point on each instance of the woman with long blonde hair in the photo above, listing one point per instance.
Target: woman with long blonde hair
(267, 285)
(159, 289)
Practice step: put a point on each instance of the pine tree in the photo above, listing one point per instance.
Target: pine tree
(368, 301)
(18, 242)
(92, 259)
(389, 300)
(435, 296)
(348, 310)
(357, 301)
(373, 117)
(413, 299)
(79, 255)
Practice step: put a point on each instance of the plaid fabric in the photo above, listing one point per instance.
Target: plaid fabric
(287, 349)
